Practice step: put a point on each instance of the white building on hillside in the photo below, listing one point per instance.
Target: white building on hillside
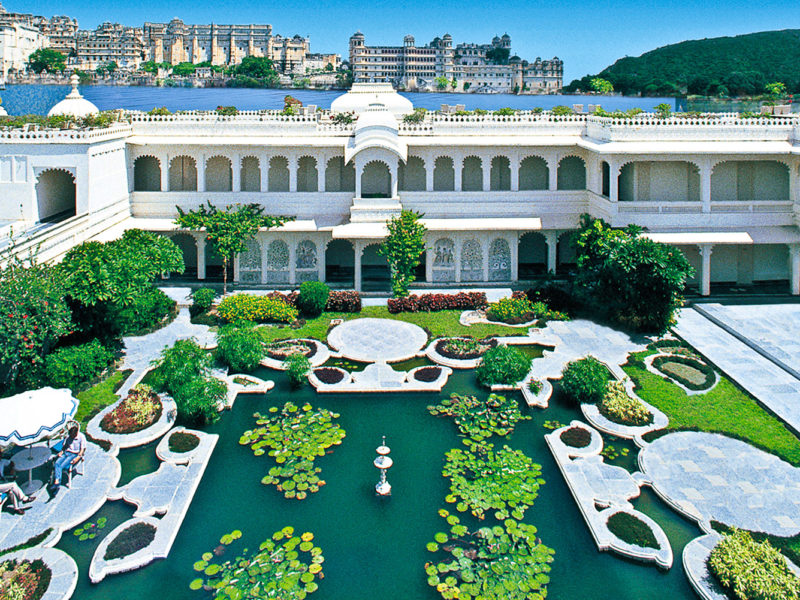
(501, 195)
(17, 43)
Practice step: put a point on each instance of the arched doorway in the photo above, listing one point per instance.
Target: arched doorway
(182, 174)
(146, 174)
(251, 174)
(444, 175)
(374, 270)
(533, 173)
(500, 174)
(338, 177)
(376, 180)
(532, 256)
(55, 195)
(340, 264)
(214, 264)
(411, 176)
(307, 178)
(219, 174)
(571, 173)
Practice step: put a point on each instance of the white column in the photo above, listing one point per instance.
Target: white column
(264, 247)
(514, 160)
(164, 159)
(357, 246)
(292, 173)
(321, 246)
(485, 248)
(457, 241)
(551, 240)
(429, 256)
(613, 181)
(200, 238)
(486, 169)
(322, 162)
(705, 269)
(236, 268)
(292, 264)
(393, 170)
(794, 265)
(458, 167)
(236, 173)
(359, 168)
(263, 165)
(430, 165)
(514, 245)
(201, 173)
(552, 172)
(705, 187)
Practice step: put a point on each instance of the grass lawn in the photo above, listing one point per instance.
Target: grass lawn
(97, 397)
(725, 409)
(437, 324)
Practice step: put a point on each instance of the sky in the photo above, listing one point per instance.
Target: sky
(587, 35)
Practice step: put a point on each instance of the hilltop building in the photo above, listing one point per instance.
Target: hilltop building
(110, 42)
(477, 68)
(501, 195)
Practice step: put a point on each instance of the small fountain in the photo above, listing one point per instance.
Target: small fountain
(383, 461)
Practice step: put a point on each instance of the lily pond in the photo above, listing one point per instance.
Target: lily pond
(378, 547)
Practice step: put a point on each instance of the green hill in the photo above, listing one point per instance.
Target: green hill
(724, 66)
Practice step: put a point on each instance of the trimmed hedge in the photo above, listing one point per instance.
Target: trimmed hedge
(261, 309)
(584, 381)
(73, 366)
(202, 300)
(312, 298)
(130, 540)
(146, 313)
(705, 369)
(632, 530)
(437, 302)
(346, 301)
(502, 365)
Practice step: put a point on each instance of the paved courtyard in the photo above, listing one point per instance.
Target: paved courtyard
(713, 477)
(375, 340)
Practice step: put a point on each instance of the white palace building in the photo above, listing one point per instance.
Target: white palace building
(500, 194)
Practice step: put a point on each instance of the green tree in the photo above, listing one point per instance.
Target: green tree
(441, 83)
(47, 59)
(230, 229)
(329, 68)
(403, 248)
(631, 279)
(776, 90)
(183, 69)
(111, 66)
(602, 86)
(663, 110)
(258, 67)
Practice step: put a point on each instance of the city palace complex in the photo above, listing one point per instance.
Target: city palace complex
(500, 194)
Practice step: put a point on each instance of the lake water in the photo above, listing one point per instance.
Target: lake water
(38, 99)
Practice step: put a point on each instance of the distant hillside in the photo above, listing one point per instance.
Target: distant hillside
(723, 66)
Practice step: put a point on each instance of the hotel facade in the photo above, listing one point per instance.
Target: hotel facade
(501, 195)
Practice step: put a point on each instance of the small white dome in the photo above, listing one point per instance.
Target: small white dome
(363, 95)
(74, 104)
(3, 112)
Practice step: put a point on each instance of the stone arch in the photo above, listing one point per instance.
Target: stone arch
(376, 180)
(340, 263)
(146, 174)
(219, 174)
(444, 175)
(374, 269)
(340, 177)
(499, 260)
(277, 262)
(278, 177)
(444, 260)
(188, 246)
(472, 174)
(56, 195)
(500, 174)
(531, 255)
(661, 181)
(307, 180)
(250, 175)
(305, 263)
(534, 173)
(746, 180)
(471, 261)
(250, 263)
(411, 175)
(183, 174)
(571, 173)
(605, 175)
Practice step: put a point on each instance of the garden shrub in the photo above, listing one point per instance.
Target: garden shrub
(140, 409)
(24, 579)
(261, 309)
(312, 298)
(202, 300)
(706, 372)
(632, 530)
(584, 381)
(146, 312)
(297, 367)
(617, 406)
(72, 366)
(437, 302)
(200, 400)
(576, 437)
(181, 441)
(535, 386)
(130, 540)
(239, 346)
(179, 365)
(556, 297)
(749, 570)
(511, 310)
(502, 365)
(344, 301)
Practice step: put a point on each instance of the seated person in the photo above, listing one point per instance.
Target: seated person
(71, 453)
(14, 491)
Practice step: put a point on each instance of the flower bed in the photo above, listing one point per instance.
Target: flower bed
(576, 437)
(261, 309)
(181, 442)
(464, 348)
(328, 375)
(140, 409)
(437, 302)
(283, 349)
(512, 311)
(130, 540)
(23, 579)
(427, 374)
(346, 301)
(689, 372)
(632, 530)
(617, 406)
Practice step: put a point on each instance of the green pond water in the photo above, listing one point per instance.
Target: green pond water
(375, 547)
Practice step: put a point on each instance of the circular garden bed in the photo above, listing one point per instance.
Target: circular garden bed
(26, 579)
(181, 442)
(632, 530)
(139, 410)
(329, 375)
(464, 348)
(427, 374)
(282, 349)
(129, 540)
(576, 437)
(689, 372)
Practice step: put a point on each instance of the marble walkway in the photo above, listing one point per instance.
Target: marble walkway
(377, 340)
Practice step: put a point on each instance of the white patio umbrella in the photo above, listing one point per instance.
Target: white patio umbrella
(30, 416)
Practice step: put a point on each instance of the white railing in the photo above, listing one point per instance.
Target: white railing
(733, 206)
(50, 136)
